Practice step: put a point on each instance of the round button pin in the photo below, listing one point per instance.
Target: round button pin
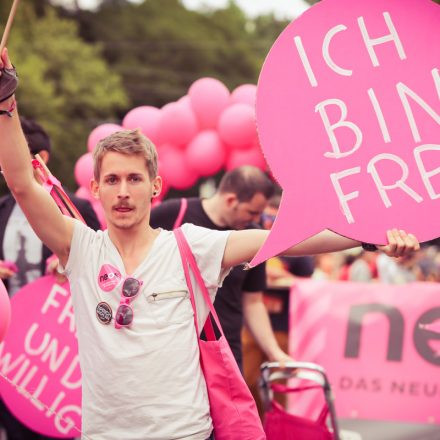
(104, 313)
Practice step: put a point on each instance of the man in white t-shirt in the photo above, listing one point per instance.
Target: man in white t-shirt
(140, 363)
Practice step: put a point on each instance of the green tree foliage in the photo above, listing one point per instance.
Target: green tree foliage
(65, 84)
(160, 48)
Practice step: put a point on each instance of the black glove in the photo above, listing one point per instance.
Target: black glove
(8, 83)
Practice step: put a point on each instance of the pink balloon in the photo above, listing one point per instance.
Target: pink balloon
(237, 125)
(206, 153)
(185, 100)
(252, 156)
(209, 97)
(164, 149)
(147, 119)
(174, 170)
(84, 170)
(100, 132)
(5, 311)
(178, 124)
(245, 94)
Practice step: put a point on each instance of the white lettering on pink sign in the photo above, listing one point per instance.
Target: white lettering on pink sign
(39, 356)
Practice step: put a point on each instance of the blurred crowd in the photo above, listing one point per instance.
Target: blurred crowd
(358, 265)
(355, 265)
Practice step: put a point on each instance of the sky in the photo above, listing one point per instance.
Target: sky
(288, 9)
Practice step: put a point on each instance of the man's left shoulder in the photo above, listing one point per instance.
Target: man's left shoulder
(203, 237)
(192, 230)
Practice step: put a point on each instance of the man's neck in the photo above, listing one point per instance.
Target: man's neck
(213, 209)
(129, 240)
(133, 244)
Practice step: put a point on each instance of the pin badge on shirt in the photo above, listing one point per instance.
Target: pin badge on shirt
(104, 313)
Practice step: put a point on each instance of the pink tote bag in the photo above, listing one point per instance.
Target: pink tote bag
(233, 410)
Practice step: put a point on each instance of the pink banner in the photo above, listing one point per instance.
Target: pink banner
(41, 377)
(379, 344)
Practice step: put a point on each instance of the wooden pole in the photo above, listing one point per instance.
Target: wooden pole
(9, 25)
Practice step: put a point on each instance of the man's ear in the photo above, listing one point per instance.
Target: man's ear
(94, 188)
(231, 200)
(156, 186)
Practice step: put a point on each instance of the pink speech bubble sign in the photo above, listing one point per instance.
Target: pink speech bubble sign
(40, 355)
(348, 108)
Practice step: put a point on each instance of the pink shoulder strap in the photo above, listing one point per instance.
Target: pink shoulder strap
(183, 206)
(189, 261)
(53, 186)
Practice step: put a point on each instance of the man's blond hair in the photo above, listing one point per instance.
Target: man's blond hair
(129, 142)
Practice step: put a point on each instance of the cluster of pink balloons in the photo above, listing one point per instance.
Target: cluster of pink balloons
(205, 131)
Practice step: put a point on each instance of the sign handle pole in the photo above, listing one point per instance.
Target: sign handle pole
(9, 24)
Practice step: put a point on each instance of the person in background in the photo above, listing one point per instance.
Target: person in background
(428, 268)
(363, 269)
(23, 256)
(422, 267)
(327, 266)
(281, 274)
(402, 270)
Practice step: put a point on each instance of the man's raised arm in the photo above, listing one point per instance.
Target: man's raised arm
(54, 229)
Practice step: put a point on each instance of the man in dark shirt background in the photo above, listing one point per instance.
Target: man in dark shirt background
(238, 203)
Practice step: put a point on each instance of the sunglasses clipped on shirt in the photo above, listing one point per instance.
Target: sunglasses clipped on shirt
(124, 313)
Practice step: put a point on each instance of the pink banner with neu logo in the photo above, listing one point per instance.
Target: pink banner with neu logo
(380, 345)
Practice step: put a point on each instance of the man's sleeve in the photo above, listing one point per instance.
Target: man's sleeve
(208, 247)
(165, 215)
(81, 246)
(255, 280)
(300, 266)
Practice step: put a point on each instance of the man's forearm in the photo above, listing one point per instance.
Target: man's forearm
(14, 153)
(323, 242)
(243, 245)
(258, 322)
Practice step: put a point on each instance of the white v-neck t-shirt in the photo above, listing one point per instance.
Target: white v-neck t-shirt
(143, 382)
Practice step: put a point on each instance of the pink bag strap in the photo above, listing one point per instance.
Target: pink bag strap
(322, 418)
(183, 206)
(53, 186)
(188, 260)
